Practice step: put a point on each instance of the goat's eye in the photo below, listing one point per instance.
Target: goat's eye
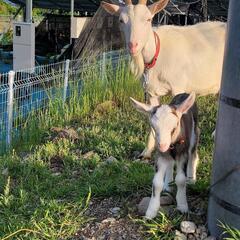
(121, 21)
(149, 20)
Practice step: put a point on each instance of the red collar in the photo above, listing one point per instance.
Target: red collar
(154, 60)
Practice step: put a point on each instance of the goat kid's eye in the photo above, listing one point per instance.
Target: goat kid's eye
(149, 20)
(121, 21)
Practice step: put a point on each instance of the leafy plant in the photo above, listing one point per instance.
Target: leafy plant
(163, 227)
(231, 232)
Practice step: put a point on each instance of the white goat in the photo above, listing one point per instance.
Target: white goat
(175, 59)
(176, 135)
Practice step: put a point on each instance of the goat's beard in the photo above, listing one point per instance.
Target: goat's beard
(137, 65)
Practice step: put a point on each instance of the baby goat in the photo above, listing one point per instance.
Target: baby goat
(176, 136)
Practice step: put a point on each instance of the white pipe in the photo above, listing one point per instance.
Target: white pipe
(28, 11)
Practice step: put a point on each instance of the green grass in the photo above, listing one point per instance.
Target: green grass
(231, 232)
(36, 204)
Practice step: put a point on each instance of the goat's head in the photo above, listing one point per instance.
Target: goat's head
(165, 119)
(135, 21)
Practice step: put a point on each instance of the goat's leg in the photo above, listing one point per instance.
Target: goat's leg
(169, 177)
(154, 204)
(192, 167)
(180, 179)
(146, 154)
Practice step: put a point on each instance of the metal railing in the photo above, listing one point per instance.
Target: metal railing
(25, 91)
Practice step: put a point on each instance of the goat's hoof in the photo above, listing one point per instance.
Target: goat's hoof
(150, 214)
(183, 208)
(191, 180)
(145, 155)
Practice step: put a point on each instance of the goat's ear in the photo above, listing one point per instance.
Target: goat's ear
(157, 6)
(142, 107)
(187, 104)
(113, 9)
(154, 101)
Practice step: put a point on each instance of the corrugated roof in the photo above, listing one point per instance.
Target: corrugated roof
(218, 6)
(79, 5)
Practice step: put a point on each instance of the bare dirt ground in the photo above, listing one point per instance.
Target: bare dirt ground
(111, 221)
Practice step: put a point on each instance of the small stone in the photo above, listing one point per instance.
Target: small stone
(191, 237)
(109, 220)
(111, 159)
(202, 229)
(88, 155)
(203, 236)
(166, 200)
(179, 236)
(188, 227)
(198, 231)
(5, 172)
(115, 210)
(68, 133)
(56, 174)
(143, 205)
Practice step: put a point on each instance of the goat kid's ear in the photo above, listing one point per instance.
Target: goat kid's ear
(157, 6)
(113, 9)
(187, 104)
(142, 107)
(154, 101)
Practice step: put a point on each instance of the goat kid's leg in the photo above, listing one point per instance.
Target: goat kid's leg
(180, 179)
(154, 204)
(169, 177)
(192, 167)
(146, 154)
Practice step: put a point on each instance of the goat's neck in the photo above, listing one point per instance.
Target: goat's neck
(149, 48)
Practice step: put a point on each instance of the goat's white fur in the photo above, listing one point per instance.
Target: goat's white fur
(190, 58)
(154, 204)
(180, 180)
(163, 121)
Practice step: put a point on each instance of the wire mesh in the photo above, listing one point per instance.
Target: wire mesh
(35, 88)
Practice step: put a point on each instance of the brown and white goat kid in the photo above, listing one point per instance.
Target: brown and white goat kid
(176, 59)
(176, 135)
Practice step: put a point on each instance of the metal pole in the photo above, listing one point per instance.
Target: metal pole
(205, 9)
(72, 16)
(11, 76)
(224, 202)
(66, 80)
(72, 8)
(28, 11)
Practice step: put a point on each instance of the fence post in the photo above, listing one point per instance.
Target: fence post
(66, 80)
(11, 76)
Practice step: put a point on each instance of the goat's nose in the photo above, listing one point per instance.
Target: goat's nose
(132, 46)
(163, 147)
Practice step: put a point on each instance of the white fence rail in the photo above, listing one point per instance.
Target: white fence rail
(28, 90)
